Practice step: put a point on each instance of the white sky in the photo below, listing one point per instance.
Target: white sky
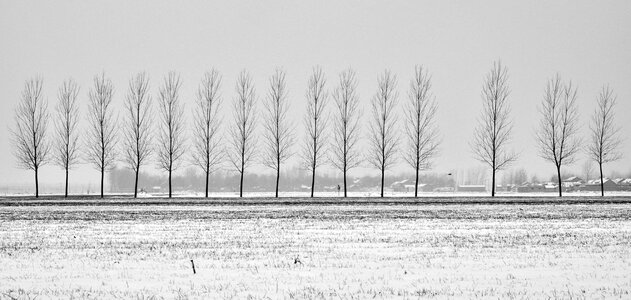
(588, 42)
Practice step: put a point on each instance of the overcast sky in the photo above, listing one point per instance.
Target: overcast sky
(588, 42)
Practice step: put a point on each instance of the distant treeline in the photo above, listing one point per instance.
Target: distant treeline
(296, 180)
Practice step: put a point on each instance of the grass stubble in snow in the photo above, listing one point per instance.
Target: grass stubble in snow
(346, 251)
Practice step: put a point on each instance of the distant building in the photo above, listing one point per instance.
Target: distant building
(510, 187)
(528, 187)
(471, 188)
(424, 187)
(408, 186)
(444, 189)
(400, 186)
(625, 185)
(594, 185)
(572, 182)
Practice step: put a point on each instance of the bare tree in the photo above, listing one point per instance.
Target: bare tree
(137, 132)
(278, 134)
(421, 131)
(242, 132)
(66, 143)
(383, 137)
(520, 176)
(558, 127)
(605, 140)
(170, 148)
(101, 139)
(314, 148)
(588, 167)
(207, 151)
(493, 133)
(345, 154)
(30, 143)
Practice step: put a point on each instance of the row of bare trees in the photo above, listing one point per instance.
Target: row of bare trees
(339, 146)
(558, 133)
(139, 120)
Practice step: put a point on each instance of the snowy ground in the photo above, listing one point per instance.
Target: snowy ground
(345, 251)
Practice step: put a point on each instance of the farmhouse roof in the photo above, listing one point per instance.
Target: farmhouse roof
(573, 179)
(605, 181)
(622, 180)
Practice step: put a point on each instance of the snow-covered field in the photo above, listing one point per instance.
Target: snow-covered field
(316, 251)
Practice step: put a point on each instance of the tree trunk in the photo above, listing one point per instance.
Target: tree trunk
(416, 183)
(241, 185)
(382, 179)
(102, 179)
(313, 166)
(66, 191)
(344, 182)
(312, 181)
(602, 184)
(207, 178)
(493, 185)
(170, 183)
(277, 178)
(559, 179)
(136, 183)
(36, 185)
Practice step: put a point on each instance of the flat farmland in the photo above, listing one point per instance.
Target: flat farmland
(322, 249)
